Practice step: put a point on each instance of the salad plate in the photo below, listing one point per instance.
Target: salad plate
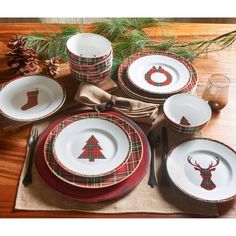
(30, 98)
(204, 169)
(91, 147)
(159, 74)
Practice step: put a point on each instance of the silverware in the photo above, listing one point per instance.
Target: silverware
(153, 139)
(27, 180)
(163, 177)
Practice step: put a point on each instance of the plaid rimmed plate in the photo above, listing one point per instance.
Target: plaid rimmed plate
(31, 98)
(133, 91)
(121, 173)
(203, 169)
(159, 74)
(92, 146)
(89, 194)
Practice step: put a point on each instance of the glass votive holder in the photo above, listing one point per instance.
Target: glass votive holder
(216, 92)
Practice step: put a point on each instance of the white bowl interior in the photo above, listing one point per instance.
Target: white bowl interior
(14, 95)
(89, 45)
(195, 110)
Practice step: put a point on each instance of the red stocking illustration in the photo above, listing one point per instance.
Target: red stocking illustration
(32, 100)
(92, 150)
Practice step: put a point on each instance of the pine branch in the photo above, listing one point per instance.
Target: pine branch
(115, 29)
(52, 44)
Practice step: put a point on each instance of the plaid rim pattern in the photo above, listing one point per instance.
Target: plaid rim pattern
(95, 80)
(92, 76)
(183, 129)
(87, 61)
(124, 82)
(99, 69)
(124, 171)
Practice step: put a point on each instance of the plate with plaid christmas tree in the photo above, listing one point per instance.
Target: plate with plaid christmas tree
(93, 150)
(90, 194)
(91, 146)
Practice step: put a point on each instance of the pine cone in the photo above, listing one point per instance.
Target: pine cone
(21, 58)
(51, 67)
(17, 41)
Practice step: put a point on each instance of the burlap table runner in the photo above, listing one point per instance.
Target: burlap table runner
(143, 199)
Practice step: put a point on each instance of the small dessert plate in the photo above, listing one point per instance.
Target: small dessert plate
(31, 98)
(159, 74)
(204, 169)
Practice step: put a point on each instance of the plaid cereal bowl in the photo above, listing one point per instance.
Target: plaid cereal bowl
(88, 47)
(186, 113)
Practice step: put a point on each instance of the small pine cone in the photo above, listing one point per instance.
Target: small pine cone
(51, 67)
(17, 41)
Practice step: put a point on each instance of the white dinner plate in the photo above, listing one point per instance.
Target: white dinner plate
(31, 98)
(158, 74)
(91, 147)
(204, 169)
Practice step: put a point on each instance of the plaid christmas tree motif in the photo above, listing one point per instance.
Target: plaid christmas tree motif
(92, 150)
(184, 121)
(153, 70)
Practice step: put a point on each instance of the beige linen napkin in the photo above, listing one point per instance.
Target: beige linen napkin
(138, 111)
(143, 199)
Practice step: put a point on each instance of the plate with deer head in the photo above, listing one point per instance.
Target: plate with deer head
(204, 169)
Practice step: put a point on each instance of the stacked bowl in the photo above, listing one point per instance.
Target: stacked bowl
(90, 57)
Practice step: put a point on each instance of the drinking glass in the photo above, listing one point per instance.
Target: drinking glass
(216, 92)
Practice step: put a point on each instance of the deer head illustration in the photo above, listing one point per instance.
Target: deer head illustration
(205, 173)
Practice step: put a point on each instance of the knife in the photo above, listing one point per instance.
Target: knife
(164, 179)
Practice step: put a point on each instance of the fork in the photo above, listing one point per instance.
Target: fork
(27, 180)
(154, 140)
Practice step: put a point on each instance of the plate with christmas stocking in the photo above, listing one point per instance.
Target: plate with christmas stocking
(30, 98)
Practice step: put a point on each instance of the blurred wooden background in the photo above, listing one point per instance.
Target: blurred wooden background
(91, 20)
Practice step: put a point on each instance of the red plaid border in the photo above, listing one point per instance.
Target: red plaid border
(124, 171)
(134, 91)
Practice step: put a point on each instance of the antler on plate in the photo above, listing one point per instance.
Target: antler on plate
(211, 164)
(196, 165)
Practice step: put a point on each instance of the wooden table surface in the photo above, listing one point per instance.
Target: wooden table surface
(222, 125)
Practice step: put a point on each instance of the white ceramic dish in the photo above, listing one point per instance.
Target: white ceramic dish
(158, 74)
(73, 144)
(88, 45)
(31, 98)
(186, 113)
(204, 169)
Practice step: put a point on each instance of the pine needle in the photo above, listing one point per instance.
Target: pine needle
(52, 44)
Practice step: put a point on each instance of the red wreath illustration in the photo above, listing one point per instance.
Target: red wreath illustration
(154, 70)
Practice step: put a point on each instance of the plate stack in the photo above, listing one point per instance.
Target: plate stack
(90, 57)
(155, 76)
(92, 157)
